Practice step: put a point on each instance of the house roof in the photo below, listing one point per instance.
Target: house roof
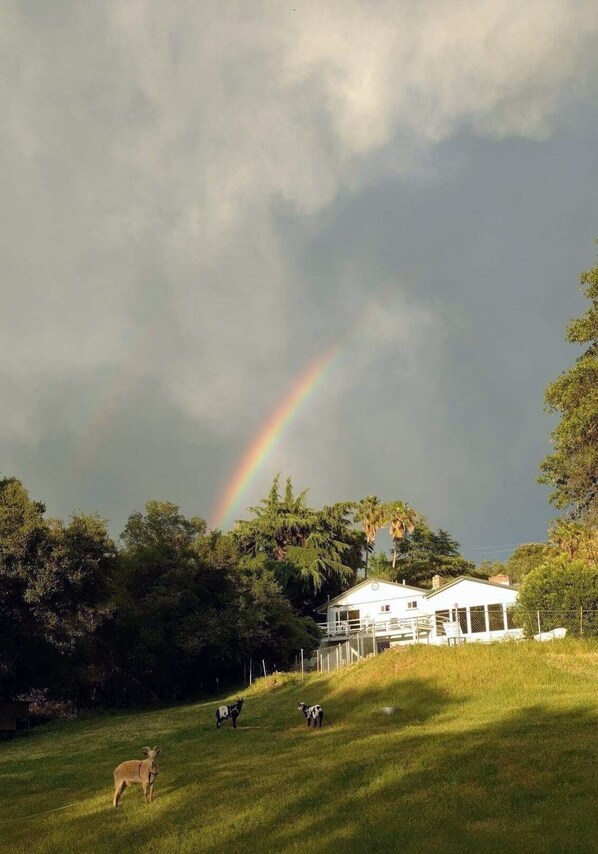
(321, 608)
(452, 583)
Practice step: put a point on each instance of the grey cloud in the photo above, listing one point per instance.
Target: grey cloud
(198, 199)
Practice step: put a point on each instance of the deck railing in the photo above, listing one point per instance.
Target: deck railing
(390, 627)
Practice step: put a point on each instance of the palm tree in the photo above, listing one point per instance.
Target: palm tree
(402, 521)
(373, 516)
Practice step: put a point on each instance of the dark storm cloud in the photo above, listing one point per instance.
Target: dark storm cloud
(199, 199)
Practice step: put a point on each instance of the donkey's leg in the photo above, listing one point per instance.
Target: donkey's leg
(118, 790)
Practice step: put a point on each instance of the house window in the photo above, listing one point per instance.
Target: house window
(495, 618)
(441, 618)
(384, 609)
(478, 619)
(411, 605)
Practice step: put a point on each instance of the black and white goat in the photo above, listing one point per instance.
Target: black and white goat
(312, 713)
(223, 713)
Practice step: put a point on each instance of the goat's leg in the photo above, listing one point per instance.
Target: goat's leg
(118, 790)
(234, 717)
(146, 792)
(151, 792)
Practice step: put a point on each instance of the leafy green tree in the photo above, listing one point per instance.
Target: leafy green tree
(425, 553)
(311, 546)
(572, 468)
(573, 540)
(380, 566)
(559, 589)
(526, 557)
(54, 590)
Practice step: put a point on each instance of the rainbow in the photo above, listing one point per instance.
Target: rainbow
(269, 434)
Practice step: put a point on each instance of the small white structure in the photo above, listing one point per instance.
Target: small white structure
(472, 609)
(463, 609)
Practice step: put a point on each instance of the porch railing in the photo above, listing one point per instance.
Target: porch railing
(390, 627)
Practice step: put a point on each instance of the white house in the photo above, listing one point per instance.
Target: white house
(384, 607)
(472, 609)
(463, 609)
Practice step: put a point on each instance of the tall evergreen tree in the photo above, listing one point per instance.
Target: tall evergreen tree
(572, 468)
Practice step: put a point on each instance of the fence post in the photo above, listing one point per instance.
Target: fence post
(337, 657)
(581, 621)
(374, 637)
(539, 626)
(264, 666)
(302, 664)
(251, 671)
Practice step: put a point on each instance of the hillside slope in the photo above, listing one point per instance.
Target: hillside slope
(490, 747)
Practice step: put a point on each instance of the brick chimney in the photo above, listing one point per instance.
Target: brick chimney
(437, 582)
(501, 579)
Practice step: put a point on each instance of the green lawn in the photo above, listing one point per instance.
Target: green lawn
(492, 748)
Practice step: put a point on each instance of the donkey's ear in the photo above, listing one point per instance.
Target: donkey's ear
(146, 750)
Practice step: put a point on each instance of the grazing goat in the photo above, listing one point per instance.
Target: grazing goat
(134, 771)
(312, 713)
(223, 713)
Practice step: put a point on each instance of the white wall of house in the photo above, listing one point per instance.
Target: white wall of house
(377, 601)
(481, 609)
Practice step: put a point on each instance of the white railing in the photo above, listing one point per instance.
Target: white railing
(391, 627)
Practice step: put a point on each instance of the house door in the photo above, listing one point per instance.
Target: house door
(351, 617)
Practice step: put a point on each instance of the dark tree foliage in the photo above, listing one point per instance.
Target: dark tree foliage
(311, 552)
(54, 591)
(191, 609)
(572, 468)
(424, 553)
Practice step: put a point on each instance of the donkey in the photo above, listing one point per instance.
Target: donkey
(134, 771)
(223, 713)
(312, 713)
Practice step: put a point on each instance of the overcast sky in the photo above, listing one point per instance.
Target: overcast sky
(200, 198)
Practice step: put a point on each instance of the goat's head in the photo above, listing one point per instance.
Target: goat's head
(152, 754)
(239, 703)
(301, 706)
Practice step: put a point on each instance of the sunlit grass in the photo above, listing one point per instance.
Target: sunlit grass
(491, 748)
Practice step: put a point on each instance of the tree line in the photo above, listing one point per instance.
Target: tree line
(173, 609)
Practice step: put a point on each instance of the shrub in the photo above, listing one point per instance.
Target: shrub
(560, 589)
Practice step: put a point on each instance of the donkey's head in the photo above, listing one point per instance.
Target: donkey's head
(152, 754)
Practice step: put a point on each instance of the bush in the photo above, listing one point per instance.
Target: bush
(559, 589)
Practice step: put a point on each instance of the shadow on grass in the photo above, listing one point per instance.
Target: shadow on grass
(526, 783)
(365, 782)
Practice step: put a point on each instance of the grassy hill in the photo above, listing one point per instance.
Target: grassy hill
(491, 748)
